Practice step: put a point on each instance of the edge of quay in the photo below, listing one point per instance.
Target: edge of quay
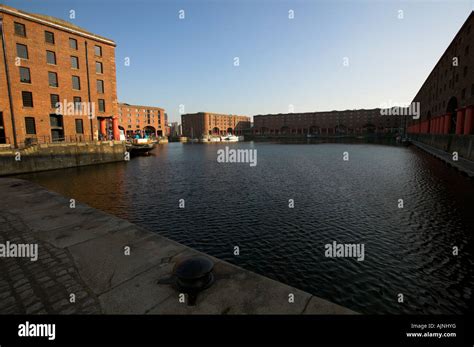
(463, 165)
(81, 250)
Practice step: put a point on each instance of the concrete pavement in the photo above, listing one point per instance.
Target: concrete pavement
(83, 251)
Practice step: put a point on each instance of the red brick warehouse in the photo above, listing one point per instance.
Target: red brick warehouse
(447, 96)
(200, 124)
(327, 123)
(148, 120)
(45, 60)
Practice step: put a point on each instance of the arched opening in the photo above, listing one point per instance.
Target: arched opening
(122, 132)
(263, 130)
(149, 131)
(451, 109)
(230, 131)
(216, 131)
(285, 130)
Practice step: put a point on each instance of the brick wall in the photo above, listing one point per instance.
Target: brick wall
(204, 123)
(135, 117)
(39, 86)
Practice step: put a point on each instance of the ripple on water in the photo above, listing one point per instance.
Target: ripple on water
(407, 250)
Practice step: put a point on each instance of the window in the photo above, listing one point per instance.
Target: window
(77, 103)
(100, 86)
(98, 51)
(76, 83)
(74, 62)
(21, 51)
(466, 50)
(57, 130)
(463, 94)
(25, 75)
(51, 57)
(49, 37)
(465, 71)
(27, 98)
(20, 29)
(72, 43)
(3, 139)
(53, 79)
(98, 67)
(472, 89)
(56, 121)
(54, 100)
(30, 125)
(79, 127)
(101, 105)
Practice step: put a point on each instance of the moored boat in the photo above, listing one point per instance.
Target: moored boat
(230, 138)
(140, 146)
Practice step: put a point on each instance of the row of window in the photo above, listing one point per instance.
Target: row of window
(27, 99)
(55, 122)
(20, 30)
(147, 111)
(22, 52)
(149, 121)
(25, 77)
(129, 115)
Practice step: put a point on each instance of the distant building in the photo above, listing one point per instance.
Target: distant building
(176, 129)
(167, 125)
(332, 122)
(46, 62)
(148, 120)
(447, 96)
(200, 124)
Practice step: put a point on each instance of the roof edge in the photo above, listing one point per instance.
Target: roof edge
(42, 20)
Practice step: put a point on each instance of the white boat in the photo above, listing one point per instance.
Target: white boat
(230, 138)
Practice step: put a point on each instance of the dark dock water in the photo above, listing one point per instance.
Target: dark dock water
(407, 250)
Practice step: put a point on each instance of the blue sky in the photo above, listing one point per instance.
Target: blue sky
(283, 61)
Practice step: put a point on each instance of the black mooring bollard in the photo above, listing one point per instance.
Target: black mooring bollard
(193, 275)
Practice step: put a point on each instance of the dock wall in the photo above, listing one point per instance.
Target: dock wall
(53, 156)
(462, 144)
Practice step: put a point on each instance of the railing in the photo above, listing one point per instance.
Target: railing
(28, 141)
(35, 140)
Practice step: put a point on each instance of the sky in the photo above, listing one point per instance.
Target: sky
(332, 55)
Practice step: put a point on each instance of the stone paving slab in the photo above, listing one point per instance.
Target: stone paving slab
(237, 291)
(103, 264)
(320, 306)
(82, 251)
(89, 228)
(140, 294)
